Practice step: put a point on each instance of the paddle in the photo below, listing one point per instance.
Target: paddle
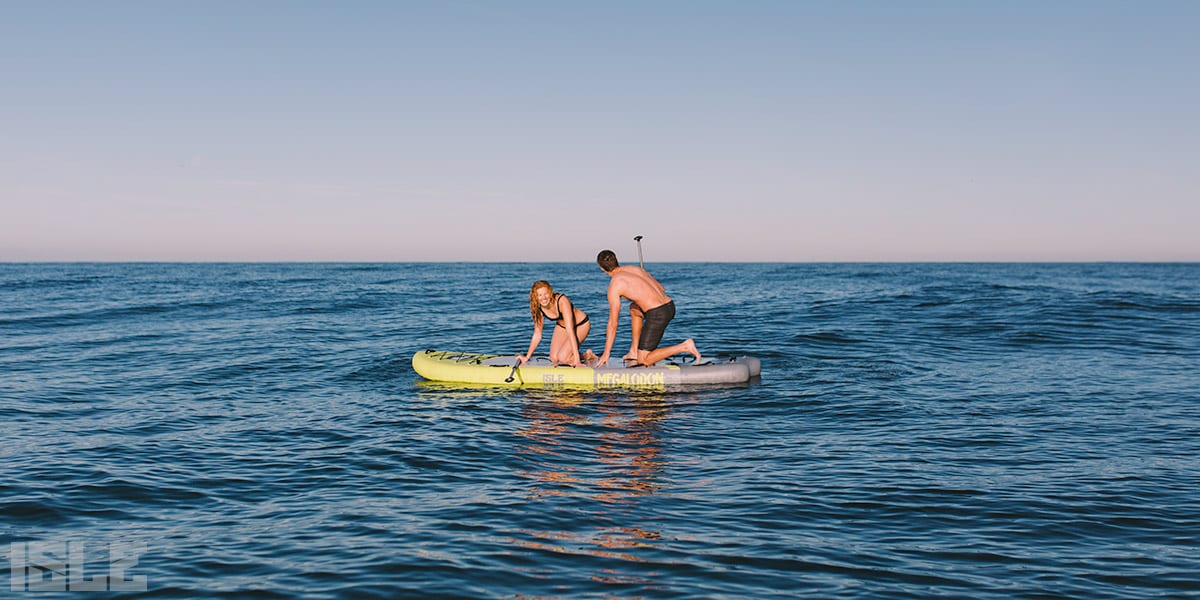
(513, 372)
(642, 264)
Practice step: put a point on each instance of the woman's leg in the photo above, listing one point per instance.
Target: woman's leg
(560, 343)
(558, 346)
(586, 357)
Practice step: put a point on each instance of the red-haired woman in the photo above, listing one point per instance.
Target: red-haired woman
(570, 329)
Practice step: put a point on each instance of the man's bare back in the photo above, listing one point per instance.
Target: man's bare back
(637, 286)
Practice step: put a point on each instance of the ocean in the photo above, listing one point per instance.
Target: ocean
(919, 431)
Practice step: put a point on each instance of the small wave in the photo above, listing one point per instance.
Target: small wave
(827, 337)
(103, 315)
(34, 513)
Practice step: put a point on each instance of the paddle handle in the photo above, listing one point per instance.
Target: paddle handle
(638, 239)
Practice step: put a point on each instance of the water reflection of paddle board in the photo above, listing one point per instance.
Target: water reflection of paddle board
(497, 370)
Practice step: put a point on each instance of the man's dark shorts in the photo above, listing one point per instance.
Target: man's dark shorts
(654, 325)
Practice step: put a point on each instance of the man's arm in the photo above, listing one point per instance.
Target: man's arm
(614, 314)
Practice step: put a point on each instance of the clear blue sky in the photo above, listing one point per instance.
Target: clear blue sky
(735, 130)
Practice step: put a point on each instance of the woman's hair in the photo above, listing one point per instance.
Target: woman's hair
(607, 260)
(535, 309)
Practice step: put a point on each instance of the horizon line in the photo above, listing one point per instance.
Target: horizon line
(502, 262)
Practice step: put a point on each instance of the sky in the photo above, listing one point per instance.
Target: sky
(739, 130)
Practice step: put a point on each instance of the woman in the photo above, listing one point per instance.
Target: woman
(571, 326)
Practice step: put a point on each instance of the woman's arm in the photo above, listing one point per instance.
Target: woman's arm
(533, 344)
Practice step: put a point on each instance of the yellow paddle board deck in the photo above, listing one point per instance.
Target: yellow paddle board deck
(501, 370)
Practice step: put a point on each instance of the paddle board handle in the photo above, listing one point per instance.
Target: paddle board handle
(638, 239)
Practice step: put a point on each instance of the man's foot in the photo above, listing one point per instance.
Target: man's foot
(690, 345)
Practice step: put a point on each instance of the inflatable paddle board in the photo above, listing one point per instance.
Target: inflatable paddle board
(501, 370)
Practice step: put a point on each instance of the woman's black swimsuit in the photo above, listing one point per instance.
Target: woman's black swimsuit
(560, 320)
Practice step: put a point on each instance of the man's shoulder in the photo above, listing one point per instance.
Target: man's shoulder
(631, 273)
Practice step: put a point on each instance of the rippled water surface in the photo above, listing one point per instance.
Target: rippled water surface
(983, 431)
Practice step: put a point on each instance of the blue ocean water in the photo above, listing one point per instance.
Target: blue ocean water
(920, 430)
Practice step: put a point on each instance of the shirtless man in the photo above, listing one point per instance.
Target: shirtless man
(650, 310)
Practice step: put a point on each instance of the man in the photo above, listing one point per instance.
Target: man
(650, 310)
